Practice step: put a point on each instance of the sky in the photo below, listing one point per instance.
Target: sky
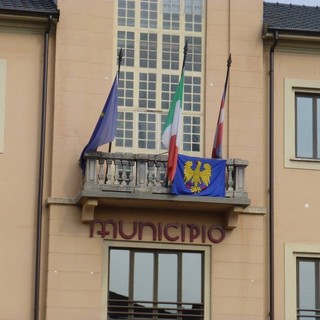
(301, 2)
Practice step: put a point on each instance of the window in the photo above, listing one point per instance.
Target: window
(302, 281)
(302, 124)
(307, 126)
(3, 68)
(157, 281)
(308, 289)
(152, 34)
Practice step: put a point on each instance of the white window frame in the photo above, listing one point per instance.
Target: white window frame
(3, 76)
(205, 249)
(293, 251)
(292, 86)
(158, 70)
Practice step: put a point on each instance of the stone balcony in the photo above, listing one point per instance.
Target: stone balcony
(139, 180)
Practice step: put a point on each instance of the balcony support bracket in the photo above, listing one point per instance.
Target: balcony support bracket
(232, 218)
(88, 208)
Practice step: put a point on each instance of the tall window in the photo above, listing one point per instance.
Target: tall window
(155, 284)
(152, 34)
(307, 126)
(308, 289)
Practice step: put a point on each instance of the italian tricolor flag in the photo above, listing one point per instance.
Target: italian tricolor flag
(171, 130)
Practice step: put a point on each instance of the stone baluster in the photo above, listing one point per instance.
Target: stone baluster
(131, 176)
(109, 177)
(117, 172)
(101, 172)
(151, 175)
(158, 173)
(125, 171)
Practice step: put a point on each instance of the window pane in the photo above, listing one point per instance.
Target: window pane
(304, 127)
(119, 274)
(191, 278)
(307, 287)
(168, 277)
(143, 277)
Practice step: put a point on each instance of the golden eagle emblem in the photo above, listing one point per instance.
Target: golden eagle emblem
(197, 177)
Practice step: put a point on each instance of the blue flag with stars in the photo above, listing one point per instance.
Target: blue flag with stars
(199, 177)
(105, 130)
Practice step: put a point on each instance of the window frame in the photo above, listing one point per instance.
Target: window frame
(291, 88)
(314, 97)
(205, 249)
(293, 252)
(3, 76)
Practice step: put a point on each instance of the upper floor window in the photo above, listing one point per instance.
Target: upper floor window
(307, 126)
(152, 34)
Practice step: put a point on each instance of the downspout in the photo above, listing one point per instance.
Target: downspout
(271, 174)
(41, 170)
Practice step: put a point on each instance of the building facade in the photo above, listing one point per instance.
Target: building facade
(112, 242)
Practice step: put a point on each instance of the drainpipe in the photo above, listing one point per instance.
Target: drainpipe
(271, 174)
(41, 170)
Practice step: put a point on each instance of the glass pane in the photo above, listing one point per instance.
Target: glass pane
(304, 127)
(168, 277)
(191, 279)
(143, 278)
(119, 274)
(307, 288)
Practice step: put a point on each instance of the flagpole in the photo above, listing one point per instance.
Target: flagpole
(185, 51)
(217, 143)
(119, 65)
(229, 61)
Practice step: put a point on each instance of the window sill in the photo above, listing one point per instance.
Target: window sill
(305, 160)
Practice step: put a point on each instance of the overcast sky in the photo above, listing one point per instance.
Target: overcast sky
(305, 2)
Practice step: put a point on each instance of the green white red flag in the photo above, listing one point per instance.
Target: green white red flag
(171, 130)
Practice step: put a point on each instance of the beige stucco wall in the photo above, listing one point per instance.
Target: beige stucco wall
(23, 53)
(296, 211)
(84, 59)
(230, 31)
(85, 68)
(76, 275)
(84, 65)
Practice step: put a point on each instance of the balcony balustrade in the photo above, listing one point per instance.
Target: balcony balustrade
(146, 173)
(139, 181)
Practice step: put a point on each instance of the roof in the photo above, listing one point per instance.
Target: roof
(29, 7)
(291, 18)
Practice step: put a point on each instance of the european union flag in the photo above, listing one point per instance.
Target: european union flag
(105, 130)
(199, 177)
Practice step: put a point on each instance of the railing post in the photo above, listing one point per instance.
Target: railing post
(91, 173)
(141, 170)
(239, 190)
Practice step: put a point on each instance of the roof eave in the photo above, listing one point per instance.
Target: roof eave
(31, 13)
